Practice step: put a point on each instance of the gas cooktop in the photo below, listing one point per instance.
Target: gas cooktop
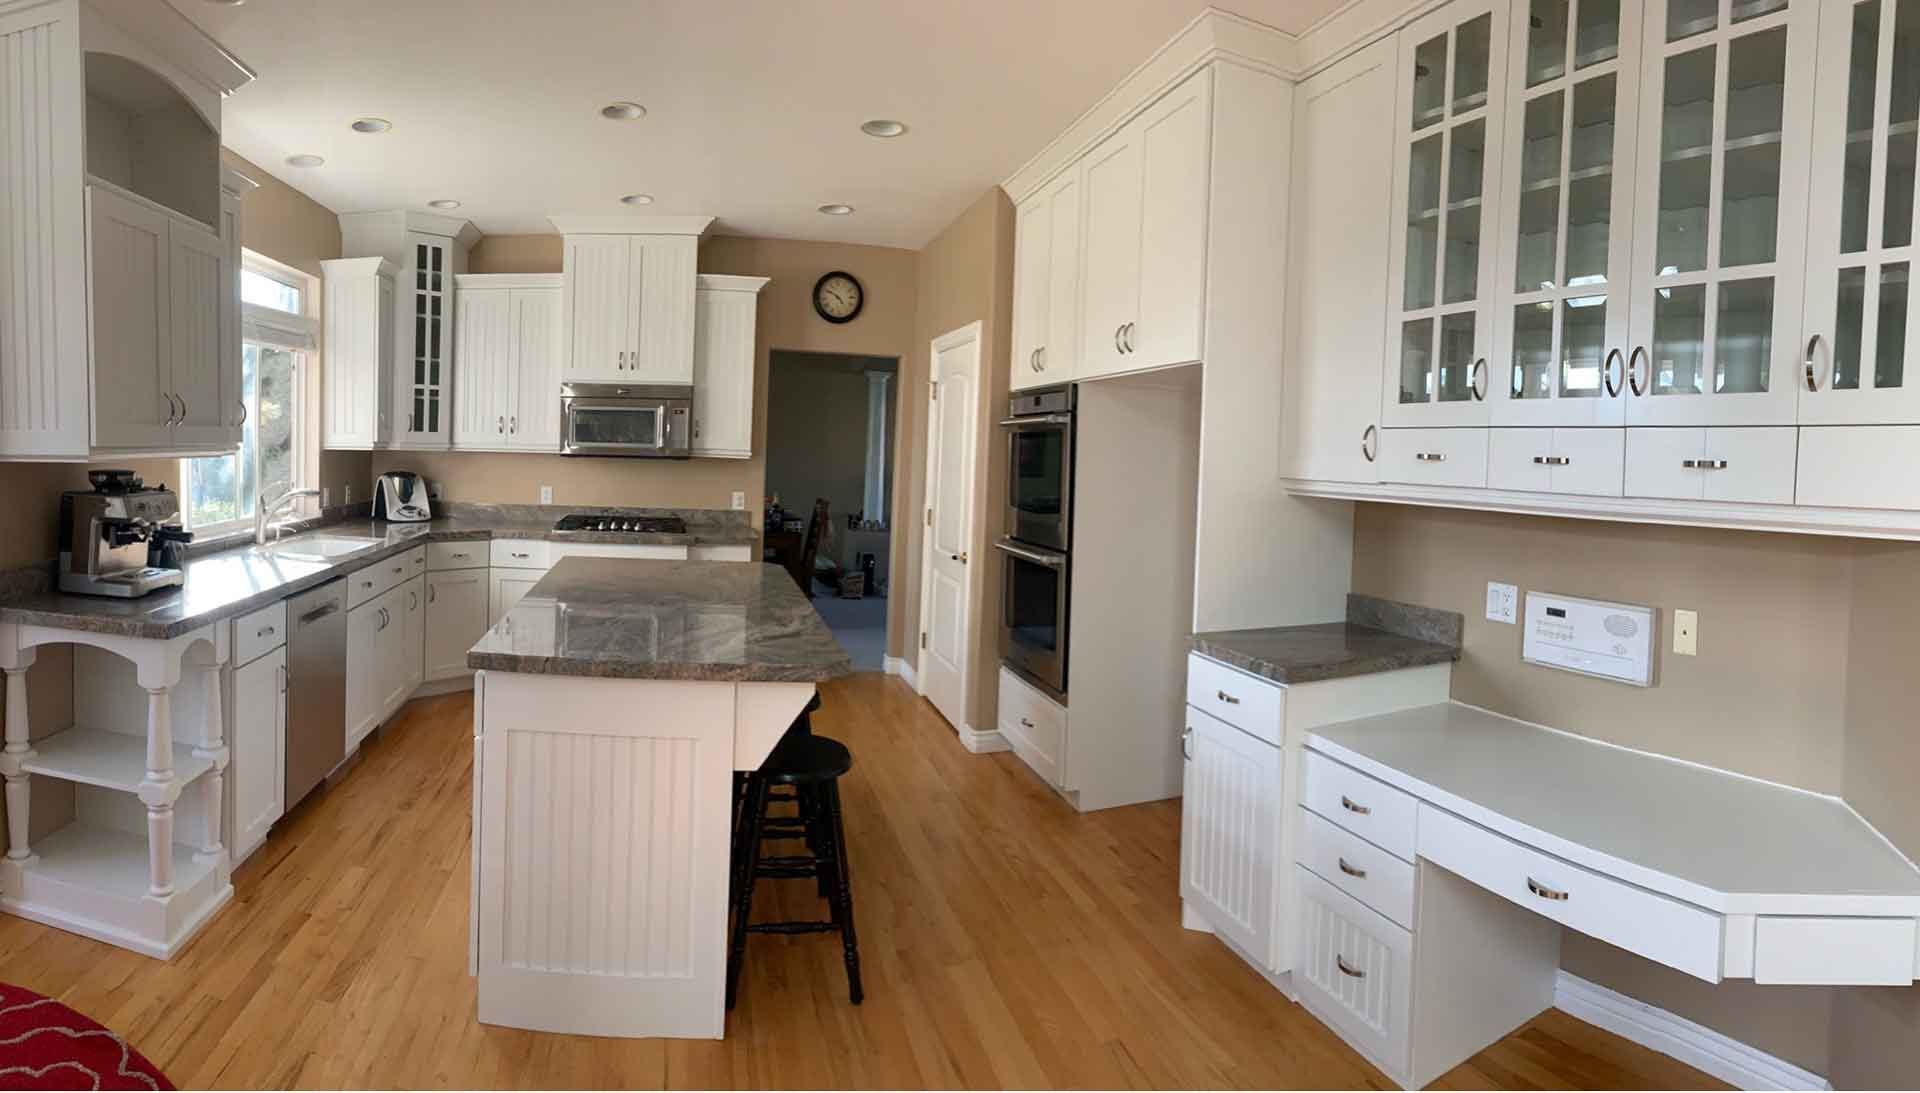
(585, 521)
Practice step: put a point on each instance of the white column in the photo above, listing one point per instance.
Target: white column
(159, 791)
(13, 759)
(873, 498)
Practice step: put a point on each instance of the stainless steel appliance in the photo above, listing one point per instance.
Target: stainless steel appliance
(401, 497)
(629, 419)
(316, 687)
(106, 533)
(613, 521)
(1037, 574)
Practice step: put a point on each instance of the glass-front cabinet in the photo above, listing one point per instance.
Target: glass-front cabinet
(1566, 243)
(423, 364)
(1861, 327)
(1725, 125)
(1446, 190)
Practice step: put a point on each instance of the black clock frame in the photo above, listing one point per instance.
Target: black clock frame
(859, 303)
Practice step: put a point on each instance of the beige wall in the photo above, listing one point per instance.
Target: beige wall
(1804, 676)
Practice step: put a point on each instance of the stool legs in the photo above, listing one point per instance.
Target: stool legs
(748, 861)
(841, 893)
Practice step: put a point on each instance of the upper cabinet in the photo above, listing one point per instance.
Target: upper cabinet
(506, 360)
(357, 380)
(628, 306)
(1046, 306)
(118, 233)
(724, 358)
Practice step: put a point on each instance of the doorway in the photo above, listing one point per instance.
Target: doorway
(830, 433)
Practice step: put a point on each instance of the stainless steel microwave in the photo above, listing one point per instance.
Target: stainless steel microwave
(652, 421)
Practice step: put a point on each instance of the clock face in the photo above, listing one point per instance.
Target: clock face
(838, 297)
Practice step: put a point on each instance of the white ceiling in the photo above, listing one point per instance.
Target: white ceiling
(754, 106)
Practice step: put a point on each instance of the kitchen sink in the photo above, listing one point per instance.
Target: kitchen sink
(322, 548)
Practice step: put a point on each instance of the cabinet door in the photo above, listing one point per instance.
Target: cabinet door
(413, 634)
(1726, 117)
(1860, 244)
(1230, 832)
(1173, 226)
(256, 771)
(1446, 187)
(662, 278)
(1342, 174)
(231, 376)
(1566, 219)
(197, 281)
(483, 352)
(132, 323)
(1060, 341)
(359, 359)
(424, 328)
(723, 367)
(507, 588)
(533, 417)
(1032, 287)
(366, 671)
(1111, 297)
(456, 621)
(598, 303)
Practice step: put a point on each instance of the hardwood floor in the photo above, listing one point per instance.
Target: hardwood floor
(1005, 941)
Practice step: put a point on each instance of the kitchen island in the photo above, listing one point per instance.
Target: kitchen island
(612, 706)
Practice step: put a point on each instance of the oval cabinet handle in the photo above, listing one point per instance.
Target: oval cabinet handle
(242, 403)
(1186, 743)
(1117, 347)
(1813, 348)
(1613, 359)
(1370, 443)
(1477, 379)
(1634, 382)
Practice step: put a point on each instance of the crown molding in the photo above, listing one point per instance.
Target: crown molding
(630, 224)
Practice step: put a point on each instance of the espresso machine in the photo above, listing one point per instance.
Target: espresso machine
(106, 533)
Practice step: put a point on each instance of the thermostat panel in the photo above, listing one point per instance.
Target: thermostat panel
(1594, 638)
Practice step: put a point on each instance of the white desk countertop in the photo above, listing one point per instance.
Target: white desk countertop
(1721, 841)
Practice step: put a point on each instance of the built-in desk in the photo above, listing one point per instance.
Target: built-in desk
(1445, 846)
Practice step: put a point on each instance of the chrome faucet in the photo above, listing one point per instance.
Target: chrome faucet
(270, 507)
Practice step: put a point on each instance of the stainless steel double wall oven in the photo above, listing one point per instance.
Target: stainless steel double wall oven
(1039, 541)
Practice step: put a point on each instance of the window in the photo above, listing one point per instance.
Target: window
(221, 493)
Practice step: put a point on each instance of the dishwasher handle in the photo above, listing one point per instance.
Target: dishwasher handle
(321, 612)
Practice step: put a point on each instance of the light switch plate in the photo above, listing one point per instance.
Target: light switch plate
(1591, 637)
(1686, 632)
(546, 495)
(739, 499)
(1501, 601)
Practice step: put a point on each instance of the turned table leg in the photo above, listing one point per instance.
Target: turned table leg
(212, 746)
(159, 791)
(13, 759)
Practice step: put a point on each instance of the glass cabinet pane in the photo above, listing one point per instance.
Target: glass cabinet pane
(1857, 180)
(1466, 162)
(1583, 338)
(1416, 361)
(1539, 212)
(1744, 10)
(1750, 200)
(1590, 182)
(1532, 351)
(1472, 42)
(1686, 18)
(1597, 35)
(1890, 349)
(1849, 317)
(1743, 338)
(1686, 162)
(1456, 357)
(1430, 81)
(1679, 339)
(1903, 116)
(1423, 221)
(1546, 41)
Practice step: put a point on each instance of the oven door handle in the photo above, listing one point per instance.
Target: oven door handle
(1051, 561)
(1038, 419)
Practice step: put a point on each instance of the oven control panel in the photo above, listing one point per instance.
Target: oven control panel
(1592, 637)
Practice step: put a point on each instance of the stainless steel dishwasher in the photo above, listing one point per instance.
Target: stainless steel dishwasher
(316, 687)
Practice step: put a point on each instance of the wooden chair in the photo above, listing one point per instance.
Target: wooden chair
(819, 530)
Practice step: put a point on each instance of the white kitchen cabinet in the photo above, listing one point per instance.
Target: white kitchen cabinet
(483, 368)
(1753, 465)
(726, 311)
(1230, 837)
(358, 377)
(428, 252)
(1036, 728)
(506, 363)
(409, 649)
(1144, 284)
(1573, 461)
(456, 620)
(629, 300)
(366, 673)
(506, 587)
(256, 773)
(1046, 305)
(1446, 193)
(1342, 174)
(1354, 970)
(199, 284)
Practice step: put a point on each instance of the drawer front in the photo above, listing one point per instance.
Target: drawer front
(369, 583)
(1851, 466)
(557, 551)
(728, 552)
(1354, 970)
(1657, 463)
(470, 555)
(518, 554)
(1759, 465)
(1434, 457)
(1676, 934)
(259, 633)
(1034, 727)
(1834, 951)
(1369, 808)
(1357, 867)
(1255, 706)
(1589, 462)
(1516, 459)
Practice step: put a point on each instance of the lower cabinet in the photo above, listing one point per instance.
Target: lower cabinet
(385, 656)
(457, 619)
(508, 585)
(1230, 842)
(1035, 727)
(256, 769)
(408, 667)
(1354, 971)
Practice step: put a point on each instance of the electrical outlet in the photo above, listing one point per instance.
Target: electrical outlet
(546, 495)
(1501, 601)
(739, 499)
(1686, 632)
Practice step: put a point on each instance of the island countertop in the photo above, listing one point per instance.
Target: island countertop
(629, 618)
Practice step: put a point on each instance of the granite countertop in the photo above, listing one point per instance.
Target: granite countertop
(233, 581)
(1378, 636)
(631, 618)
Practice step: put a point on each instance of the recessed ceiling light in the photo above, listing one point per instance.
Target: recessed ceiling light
(637, 199)
(623, 111)
(371, 125)
(443, 203)
(883, 128)
(304, 160)
(837, 209)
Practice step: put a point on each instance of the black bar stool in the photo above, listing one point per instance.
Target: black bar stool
(812, 765)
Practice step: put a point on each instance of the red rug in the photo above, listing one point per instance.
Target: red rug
(46, 1045)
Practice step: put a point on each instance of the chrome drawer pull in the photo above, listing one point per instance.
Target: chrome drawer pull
(1347, 969)
(1351, 871)
(263, 631)
(1227, 698)
(1430, 457)
(1552, 460)
(1543, 891)
(1358, 810)
(1704, 464)
(1025, 724)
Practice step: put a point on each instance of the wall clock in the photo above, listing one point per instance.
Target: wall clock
(838, 297)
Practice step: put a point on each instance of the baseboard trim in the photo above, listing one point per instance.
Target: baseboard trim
(1670, 1034)
(900, 666)
(981, 742)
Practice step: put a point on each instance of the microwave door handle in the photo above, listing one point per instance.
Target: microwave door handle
(660, 429)
(1044, 419)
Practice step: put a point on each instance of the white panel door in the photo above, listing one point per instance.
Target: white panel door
(256, 772)
(411, 598)
(456, 621)
(1440, 279)
(366, 673)
(1342, 178)
(423, 366)
(1059, 357)
(197, 284)
(506, 588)
(723, 368)
(1173, 226)
(533, 415)
(1860, 321)
(483, 356)
(1111, 285)
(662, 278)
(598, 301)
(1230, 815)
(132, 311)
(1726, 119)
(944, 663)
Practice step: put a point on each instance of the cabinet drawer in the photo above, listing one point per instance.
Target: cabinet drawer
(1590, 462)
(259, 632)
(1354, 970)
(1676, 934)
(1357, 867)
(1517, 459)
(369, 583)
(1253, 705)
(469, 555)
(1434, 457)
(518, 554)
(1860, 466)
(1833, 951)
(1034, 727)
(659, 551)
(727, 552)
(1369, 808)
(1754, 465)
